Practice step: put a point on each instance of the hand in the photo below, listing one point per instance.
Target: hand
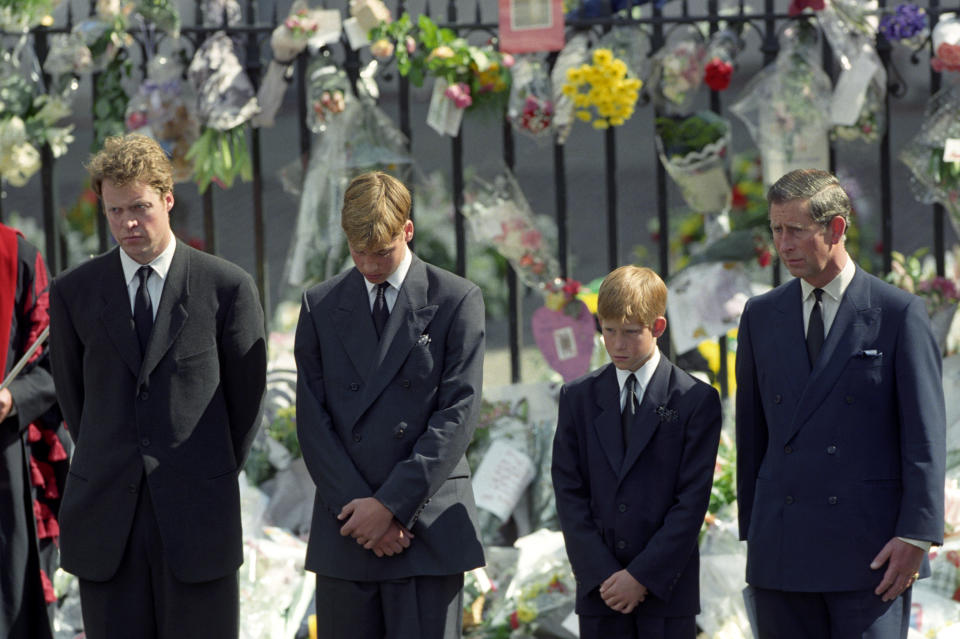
(621, 592)
(394, 541)
(903, 562)
(367, 521)
(6, 403)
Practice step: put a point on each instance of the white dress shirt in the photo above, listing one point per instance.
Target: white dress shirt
(160, 266)
(643, 374)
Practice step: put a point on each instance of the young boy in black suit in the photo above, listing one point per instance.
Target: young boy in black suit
(633, 462)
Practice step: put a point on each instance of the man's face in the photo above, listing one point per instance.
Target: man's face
(808, 250)
(378, 264)
(139, 218)
(630, 345)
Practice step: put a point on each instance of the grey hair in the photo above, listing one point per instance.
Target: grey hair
(821, 189)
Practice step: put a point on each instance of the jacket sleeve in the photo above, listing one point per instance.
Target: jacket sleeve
(661, 562)
(751, 424)
(243, 366)
(922, 417)
(335, 475)
(450, 428)
(590, 558)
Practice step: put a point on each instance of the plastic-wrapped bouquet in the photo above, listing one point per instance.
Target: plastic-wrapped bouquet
(530, 108)
(678, 70)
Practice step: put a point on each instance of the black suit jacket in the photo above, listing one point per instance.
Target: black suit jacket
(639, 508)
(834, 462)
(392, 420)
(184, 416)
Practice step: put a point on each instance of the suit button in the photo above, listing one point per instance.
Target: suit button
(788, 449)
(354, 387)
(144, 395)
(832, 500)
(132, 488)
(621, 544)
(405, 383)
(848, 399)
(357, 438)
(831, 450)
(777, 398)
(145, 442)
(622, 508)
(789, 499)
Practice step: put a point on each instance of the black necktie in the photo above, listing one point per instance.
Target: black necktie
(143, 309)
(629, 409)
(380, 310)
(815, 328)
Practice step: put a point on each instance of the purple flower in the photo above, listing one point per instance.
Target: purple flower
(907, 21)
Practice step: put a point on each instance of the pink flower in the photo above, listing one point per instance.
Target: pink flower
(382, 48)
(459, 93)
(411, 44)
(508, 60)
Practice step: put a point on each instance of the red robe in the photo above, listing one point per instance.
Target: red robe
(33, 460)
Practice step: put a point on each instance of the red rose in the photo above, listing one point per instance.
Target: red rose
(797, 6)
(763, 258)
(514, 620)
(740, 200)
(717, 74)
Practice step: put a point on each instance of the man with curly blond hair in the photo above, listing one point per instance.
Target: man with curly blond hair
(159, 360)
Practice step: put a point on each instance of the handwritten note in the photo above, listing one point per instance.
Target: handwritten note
(503, 475)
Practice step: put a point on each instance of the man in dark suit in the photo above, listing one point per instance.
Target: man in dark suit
(159, 359)
(840, 432)
(633, 461)
(390, 364)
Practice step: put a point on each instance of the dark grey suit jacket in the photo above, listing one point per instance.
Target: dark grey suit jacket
(392, 419)
(835, 461)
(185, 416)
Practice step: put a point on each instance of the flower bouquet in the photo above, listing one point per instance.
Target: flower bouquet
(328, 90)
(678, 69)
(693, 151)
(573, 55)
(226, 101)
(941, 294)
(530, 107)
(68, 58)
(946, 44)
(722, 51)
(163, 110)
(908, 25)
(604, 91)
(785, 107)
(302, 27)
(930, 156)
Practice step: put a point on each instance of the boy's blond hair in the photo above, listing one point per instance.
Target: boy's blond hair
(376, 207)
(130, 159)
(632, 295)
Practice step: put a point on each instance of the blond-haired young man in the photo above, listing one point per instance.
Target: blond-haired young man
(159, 360)
(390, 364)
(633, 461)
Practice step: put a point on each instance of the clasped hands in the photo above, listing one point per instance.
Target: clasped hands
(621, 592)
(374, 527)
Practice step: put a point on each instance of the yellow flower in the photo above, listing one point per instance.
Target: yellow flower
(602, 56)
(601, 124)
(619, 67)
(569, 90)
(584, 115)
(526, 614)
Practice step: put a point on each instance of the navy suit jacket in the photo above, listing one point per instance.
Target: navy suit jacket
(834, 462)
(392, 419)
(639, 509)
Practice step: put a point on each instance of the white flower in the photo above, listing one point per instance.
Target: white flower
(51, 109)
(59, 139)
(19, 163)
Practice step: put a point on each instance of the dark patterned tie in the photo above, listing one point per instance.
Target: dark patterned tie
(629, 409)
(815, 328)
(380, 311)
(143, 309)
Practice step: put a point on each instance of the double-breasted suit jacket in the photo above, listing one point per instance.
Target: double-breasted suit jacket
(639, 508)
(835, 461)
(183, 416)
(392, 419)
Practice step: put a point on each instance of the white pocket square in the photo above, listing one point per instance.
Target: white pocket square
(424, 340)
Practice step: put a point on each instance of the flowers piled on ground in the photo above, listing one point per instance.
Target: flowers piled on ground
(602, 92)
(908, 24)
(477, 76)
(27, 121)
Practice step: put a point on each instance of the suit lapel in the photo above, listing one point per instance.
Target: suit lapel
(409, 318)
(647, 420)
(354, 323)
(117, 317)
(171, 313)
(853, 322)
(791, 343)
(607, 421)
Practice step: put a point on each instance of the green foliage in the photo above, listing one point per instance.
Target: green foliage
(110, 106)
(221, 156)
(681, 136)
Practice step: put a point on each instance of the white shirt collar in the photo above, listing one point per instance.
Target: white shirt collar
(644, 374)
(160, 264)
(837, 286)
(396, 278)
